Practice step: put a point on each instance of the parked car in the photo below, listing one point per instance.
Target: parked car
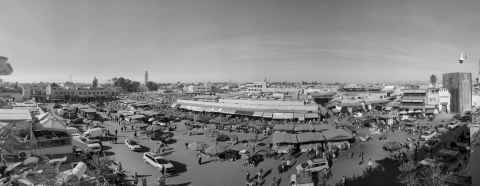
(314, 165)
(392, 146)
(255, 159)
(133, 145)
(453, 125)
(158, 162)
(96, 132)
(86, 145)
(432, 144)
(428, 135)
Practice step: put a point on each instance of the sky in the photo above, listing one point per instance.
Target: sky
(238, 40)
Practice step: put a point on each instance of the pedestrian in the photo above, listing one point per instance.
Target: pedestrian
(343, 181)
(144, 181)
(135, 133)
(136, 178)
(186, 145)
(116, 132)
(248, 176)
(200, 160)
(370, 163)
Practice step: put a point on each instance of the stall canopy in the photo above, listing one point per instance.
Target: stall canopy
(282, 137)
(337, 135)
(303, 127)
(321, 128)
(284, 127)
(309, 137)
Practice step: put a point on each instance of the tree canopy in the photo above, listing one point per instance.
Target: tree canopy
(95, 82)
(126, 84)
(152, 86)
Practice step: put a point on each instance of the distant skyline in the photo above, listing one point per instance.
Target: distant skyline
(238, 40)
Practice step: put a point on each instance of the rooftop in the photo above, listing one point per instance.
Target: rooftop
(14, 115)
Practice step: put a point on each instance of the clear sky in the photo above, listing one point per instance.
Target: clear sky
(238, 40)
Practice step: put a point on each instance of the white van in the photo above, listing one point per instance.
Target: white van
(95, 133)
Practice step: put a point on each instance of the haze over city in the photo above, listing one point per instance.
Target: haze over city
(212, 40)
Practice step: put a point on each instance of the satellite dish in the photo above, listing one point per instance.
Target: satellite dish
(462, 58)
(5, 67)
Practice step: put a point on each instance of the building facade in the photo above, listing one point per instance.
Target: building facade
(413, 99)
(37, 92)
(54, 92)
(459, 84)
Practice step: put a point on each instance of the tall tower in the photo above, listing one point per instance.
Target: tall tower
(146, 77)
(459, 84)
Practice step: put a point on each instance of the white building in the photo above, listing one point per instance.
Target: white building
(444, 100)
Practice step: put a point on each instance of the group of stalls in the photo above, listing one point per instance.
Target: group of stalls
(309, 137)
(268, 115)
(353, 106)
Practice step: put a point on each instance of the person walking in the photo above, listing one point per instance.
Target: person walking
(144, 181)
